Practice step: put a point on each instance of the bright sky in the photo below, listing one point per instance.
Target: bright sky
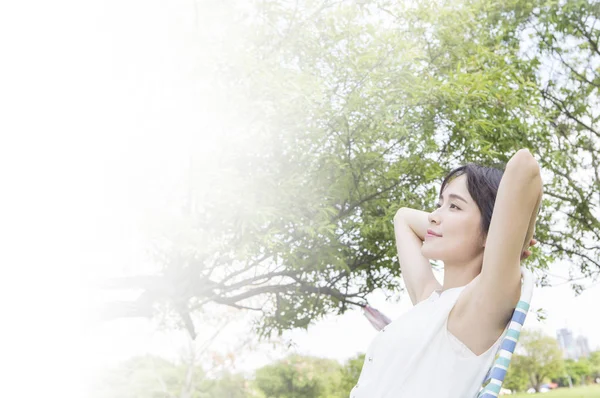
(103, 104)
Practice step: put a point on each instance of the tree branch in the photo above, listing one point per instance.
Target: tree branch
(560, 105)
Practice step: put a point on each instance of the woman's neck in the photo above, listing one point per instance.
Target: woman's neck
(460, 275)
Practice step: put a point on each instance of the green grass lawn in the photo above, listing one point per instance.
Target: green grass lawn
(592, 391)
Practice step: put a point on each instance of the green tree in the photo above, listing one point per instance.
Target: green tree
(155, 377)
(542, 359)
(353, 110)
(350, 373)
(229, 385)
(148, 376)
(299, 377)
(579, 370)
(517, 377)
(595, 364)
(564, 41)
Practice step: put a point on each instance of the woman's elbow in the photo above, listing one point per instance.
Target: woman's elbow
(524, 162)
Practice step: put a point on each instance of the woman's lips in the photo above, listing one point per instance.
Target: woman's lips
(432, 233)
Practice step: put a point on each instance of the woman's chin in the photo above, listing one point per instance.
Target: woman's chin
(431, 253)
(427, 254)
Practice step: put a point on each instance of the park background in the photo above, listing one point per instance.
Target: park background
(167, 146)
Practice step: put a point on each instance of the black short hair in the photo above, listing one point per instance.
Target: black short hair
(483, 183)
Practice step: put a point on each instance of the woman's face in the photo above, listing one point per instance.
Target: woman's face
(457, 218)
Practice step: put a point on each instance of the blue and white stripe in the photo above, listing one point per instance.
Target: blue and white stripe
(493, 381)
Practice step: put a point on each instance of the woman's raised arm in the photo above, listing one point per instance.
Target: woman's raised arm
(410, 226)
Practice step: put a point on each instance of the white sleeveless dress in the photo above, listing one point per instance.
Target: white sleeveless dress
(415, 356)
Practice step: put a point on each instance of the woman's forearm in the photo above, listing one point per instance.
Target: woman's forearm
(524, 160)
(417, 220)
(532, 220)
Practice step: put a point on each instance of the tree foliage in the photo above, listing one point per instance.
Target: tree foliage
(350, 374)
(517, 377)
(542, 363)
(595, 363)
(353, 110)
(156, 377)
(566, 37)
(542, 360)
(300, 377)
(578, 370)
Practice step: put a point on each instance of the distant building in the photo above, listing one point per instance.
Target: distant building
(583, 347)
(566, 343)
(571, 347)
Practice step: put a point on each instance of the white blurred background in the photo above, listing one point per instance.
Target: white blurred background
(100, 103)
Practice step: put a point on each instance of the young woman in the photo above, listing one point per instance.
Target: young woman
(480, 230)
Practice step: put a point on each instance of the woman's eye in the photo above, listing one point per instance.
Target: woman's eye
(437, 206)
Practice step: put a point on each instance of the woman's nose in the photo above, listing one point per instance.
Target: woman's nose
(433, 217)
